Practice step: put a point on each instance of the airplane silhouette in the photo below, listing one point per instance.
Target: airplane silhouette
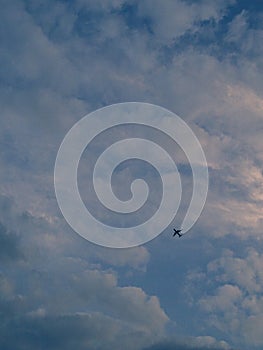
(177, 232)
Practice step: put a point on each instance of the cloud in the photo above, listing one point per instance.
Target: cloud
(93, 331)
(86, 298)
(172, 19)
(225, 299)
(137, 258)
(238, 28)
(243, 36)
(245, 272)
(196, 343)
(8, 245)
(60, 61)
(122, 313)
(236, 303)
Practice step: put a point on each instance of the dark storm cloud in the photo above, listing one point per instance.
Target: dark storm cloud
(82, 331)
(9, 246)
(62, 332)
(9, 239)
(191, 345)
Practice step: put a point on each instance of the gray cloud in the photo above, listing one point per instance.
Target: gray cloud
(8, 245)
(198, 343)
(92, 331)
(86, 299)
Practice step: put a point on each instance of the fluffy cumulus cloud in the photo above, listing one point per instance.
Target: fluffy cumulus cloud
(60, 60)
(121, 315)
(235, 305)
(50, 298)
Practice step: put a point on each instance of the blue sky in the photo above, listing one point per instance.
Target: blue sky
(203, 61)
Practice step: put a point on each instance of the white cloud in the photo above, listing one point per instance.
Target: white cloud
(235, 307)
(225, 300)
(252, 330)
(51, 266)
(246, 273)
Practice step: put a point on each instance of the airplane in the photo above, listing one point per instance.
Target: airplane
(177, 232)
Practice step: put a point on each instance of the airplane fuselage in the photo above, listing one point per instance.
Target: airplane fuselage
(177, 232)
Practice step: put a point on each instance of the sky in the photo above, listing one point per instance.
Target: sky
(203, 61)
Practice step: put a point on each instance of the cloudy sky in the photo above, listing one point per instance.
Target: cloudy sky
(200, 59)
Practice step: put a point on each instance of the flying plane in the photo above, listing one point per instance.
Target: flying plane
(177, 232)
